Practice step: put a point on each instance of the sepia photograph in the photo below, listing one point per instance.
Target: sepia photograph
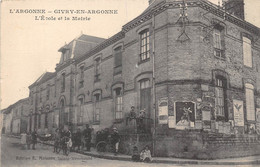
(129, 83)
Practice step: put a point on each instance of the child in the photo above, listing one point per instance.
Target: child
(135, 156)
(146, 155)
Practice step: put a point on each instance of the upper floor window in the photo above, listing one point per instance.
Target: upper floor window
(250, 102)
(145, 45)
(97, 69)
(218, 41)
(63, 82)
(118, 60)
(247, 52)
(48, 92)
(81, 81)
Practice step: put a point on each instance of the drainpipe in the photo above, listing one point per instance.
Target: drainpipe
(154, 89)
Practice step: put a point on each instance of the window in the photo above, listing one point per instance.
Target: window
(221, 107)
(97, 69)
(97, 98)
(219, 97)
(118, 60)
(145, 96)
(63, 82)
(250, 102)
(118, 103)
(81, 80)
(218, 40)
(48, 92)
(247, 52)
(81, 111)
(145, 47)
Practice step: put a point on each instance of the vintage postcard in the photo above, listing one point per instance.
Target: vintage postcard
(130, 83)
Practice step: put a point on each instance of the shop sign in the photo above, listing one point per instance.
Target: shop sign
(238, 112)
(163, 111)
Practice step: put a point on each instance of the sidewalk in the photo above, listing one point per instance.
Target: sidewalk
(252, 160)
(230, 161)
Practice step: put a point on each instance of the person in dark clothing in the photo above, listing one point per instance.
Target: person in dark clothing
(34, 139)
(77, 139)
(135, 155)
(66, 137)
(115, 140)
(57, 137)
(87, 137)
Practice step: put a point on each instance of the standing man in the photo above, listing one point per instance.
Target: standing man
(87, 137)
(66, 139)
(34, 139)
(78, 139)
(115, 139)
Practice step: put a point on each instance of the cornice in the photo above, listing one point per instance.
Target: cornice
(208, 6)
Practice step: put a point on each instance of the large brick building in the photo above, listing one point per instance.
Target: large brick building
(186, 68)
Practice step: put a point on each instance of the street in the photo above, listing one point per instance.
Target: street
(12, 155)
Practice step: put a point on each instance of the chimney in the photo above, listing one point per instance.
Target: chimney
(235, 7)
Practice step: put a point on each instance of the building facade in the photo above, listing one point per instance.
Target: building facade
(186, 68)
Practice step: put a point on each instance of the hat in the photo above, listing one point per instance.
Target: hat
(114, 128)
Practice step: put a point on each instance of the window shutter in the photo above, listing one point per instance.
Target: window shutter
(247, 52)
(250, 104)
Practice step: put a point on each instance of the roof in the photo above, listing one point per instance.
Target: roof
(45, 76)
(83, 38)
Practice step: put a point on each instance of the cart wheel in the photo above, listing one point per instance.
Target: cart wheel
(101, 146)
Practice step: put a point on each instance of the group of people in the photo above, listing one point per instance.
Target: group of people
(28, 139)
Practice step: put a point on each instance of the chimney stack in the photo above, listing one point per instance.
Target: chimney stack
(235, 7)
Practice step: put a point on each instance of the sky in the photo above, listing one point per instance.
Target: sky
(30, 47)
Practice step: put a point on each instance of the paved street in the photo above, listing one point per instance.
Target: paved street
(14, 156)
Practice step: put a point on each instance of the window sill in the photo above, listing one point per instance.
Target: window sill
(221, 58)
(248, 67)
(143, 61)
